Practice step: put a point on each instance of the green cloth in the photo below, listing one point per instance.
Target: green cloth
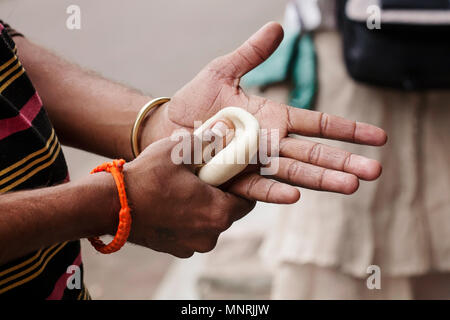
(304, 76)
(276, 67)
(294, 60)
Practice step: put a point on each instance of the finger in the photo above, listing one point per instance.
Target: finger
(329, 157)
(177, 249)
(203, 243)
(217, 137)
(252, 53)
(228, 208)
(255, 187)
(182, 253)
(313, 177)
(225, 208)
(319, 124)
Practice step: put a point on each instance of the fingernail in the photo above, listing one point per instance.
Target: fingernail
(220, 129)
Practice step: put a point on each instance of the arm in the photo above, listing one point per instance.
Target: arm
(34, 219)
(88, 111)
(172, 210)
(96, 115)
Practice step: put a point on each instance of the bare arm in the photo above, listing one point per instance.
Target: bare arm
(172, 210)
(88, 111)
(34, 219)
(96, 115)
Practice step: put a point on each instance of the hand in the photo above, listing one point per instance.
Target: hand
(302, 162)
(173, 211)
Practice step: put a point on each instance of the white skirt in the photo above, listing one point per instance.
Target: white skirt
(401, 222)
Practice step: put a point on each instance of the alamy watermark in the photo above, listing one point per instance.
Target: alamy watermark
(73, 21)
(199, 150)
(374, 17)
(74, 280)
(374, 280)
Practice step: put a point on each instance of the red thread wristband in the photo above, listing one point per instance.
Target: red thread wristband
(123, 230)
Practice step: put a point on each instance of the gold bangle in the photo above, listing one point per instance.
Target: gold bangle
(140, 117)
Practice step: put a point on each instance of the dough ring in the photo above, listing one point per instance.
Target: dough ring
(235, 157)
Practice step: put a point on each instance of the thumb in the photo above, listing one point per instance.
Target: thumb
(253, 52)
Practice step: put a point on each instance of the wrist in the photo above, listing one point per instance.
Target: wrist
(136, 103)
(102, 205)
(153, 128)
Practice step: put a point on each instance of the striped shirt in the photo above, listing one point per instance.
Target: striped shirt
(30, 157)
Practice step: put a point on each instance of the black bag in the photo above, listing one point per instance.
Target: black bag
(411, 51)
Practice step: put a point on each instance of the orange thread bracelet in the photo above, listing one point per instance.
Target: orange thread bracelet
(123, 230)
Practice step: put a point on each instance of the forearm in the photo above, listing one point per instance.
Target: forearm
(88, 112)
(34, 219)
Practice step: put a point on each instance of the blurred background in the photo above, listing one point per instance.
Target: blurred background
(155, 46)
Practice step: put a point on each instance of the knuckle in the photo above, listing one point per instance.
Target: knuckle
(257, 51)
(219, 219)
(354, 128)
(251, 184)
(184, 254)
(314, 154)
(207, 245)
(294, 170)
(243, 54)
(222, 222)
(289, 118)
(186, 195)
(346, 162)
(246, 207)
(323, 123)
(320, 179)
(284, 146)
(269, 191)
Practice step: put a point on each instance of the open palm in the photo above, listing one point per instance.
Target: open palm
(302, 162)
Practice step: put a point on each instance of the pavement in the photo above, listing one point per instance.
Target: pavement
(155, 46)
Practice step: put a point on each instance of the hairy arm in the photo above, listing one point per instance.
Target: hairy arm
(34, 219)
(97, 115)
(88, 111)
(157, 191)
